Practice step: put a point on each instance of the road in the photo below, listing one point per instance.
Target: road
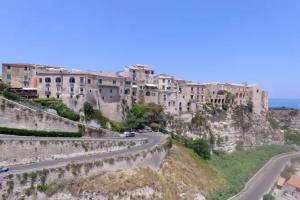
(153, 139)
(261, 184)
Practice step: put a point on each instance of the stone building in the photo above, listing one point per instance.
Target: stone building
(135, 84)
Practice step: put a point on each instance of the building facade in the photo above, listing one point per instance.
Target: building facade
(135, 84)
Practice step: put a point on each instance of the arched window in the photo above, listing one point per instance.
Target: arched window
(48, 80)
(58, 80)
(72, 80)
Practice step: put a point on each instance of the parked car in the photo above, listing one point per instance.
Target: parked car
(129, 134)
(3, 169)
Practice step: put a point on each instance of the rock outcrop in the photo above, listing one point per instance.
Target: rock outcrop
(228, 128)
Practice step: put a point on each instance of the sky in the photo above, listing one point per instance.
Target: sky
(254, 41)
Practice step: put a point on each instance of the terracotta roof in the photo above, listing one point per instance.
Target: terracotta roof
(295, 182)
(280, 181)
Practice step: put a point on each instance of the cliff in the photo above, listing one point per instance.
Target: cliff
(228, 128)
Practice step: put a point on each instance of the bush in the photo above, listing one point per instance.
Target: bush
(61, 109)
(97, 115)
(200, 146)
(11, 95)
(141, 115)
(26, 132)
(3, 87)
(268, 197)
(88, 109)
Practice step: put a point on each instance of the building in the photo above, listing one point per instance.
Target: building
(135, 84)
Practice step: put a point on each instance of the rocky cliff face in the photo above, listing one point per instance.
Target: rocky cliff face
(287, 118)
(228, 128)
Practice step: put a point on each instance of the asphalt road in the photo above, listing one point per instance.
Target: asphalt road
(261, 184)
(153, 139)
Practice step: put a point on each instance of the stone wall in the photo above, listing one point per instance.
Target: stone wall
(31, 185)
(15, 115)
(20, 150)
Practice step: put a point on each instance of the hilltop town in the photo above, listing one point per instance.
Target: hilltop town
(135, 84)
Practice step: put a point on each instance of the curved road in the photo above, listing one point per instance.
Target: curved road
(264, 180)
(153, 139)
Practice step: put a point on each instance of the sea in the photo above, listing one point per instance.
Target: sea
(288, 103)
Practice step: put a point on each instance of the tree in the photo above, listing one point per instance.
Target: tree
(141, 115)
(88, 109)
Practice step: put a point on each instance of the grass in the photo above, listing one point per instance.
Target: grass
(237, 168)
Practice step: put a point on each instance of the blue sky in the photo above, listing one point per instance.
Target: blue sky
(255, 41)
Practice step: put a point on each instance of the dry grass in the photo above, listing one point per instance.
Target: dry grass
(183, 172)
(114, 182)
(182, 176)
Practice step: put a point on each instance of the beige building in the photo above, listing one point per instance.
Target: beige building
(135, 84)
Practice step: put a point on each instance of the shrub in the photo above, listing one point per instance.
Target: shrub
(11, 95)
(27, 132)
(88, 109)
(42, 188)
(268, 197)
(201, 147)
(3, 87)
(61, 109)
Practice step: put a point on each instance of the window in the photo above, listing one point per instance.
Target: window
(163, 80)
(192, 96)
(40, 80)
(58, 89)
(58, 80)
(25, 78)
(148, 93)
(100, 90)
(111, 90)
(100, 81)
(48, 80)
(114, 82)
(163, 87)
(72, 80)
(8, 76)
(8, 66)
(72, 89)
(81, 90)
(89, 81)
(25, 68)
(81, 80)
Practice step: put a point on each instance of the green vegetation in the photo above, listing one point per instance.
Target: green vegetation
(200, 146)
(3, 87)
(141, 115)
(291, 137)
(198, 120)
(237, 168)
(11, 95)
(97, 115)
(27, 132)
(61, 109)
(268, 197)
